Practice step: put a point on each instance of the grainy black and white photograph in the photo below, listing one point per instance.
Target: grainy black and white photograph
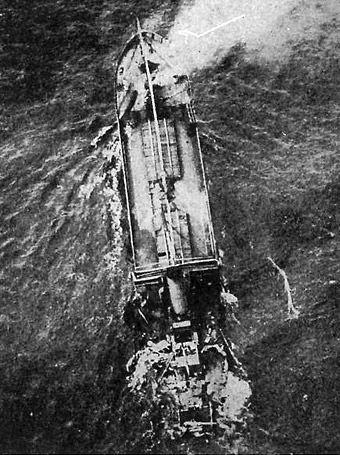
(169, 227)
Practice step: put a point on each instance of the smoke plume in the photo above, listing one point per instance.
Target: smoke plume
(205, 30)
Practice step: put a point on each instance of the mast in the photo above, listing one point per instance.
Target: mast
(152, 95)
(168, 229)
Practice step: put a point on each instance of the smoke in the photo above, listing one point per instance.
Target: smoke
(205, 30)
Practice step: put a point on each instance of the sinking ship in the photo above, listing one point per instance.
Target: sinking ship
(176, 271)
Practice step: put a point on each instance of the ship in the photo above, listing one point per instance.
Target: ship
(176, 268)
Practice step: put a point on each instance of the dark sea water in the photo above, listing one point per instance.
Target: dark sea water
(61, 238)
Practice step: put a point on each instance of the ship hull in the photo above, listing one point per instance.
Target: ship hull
(169, 214)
